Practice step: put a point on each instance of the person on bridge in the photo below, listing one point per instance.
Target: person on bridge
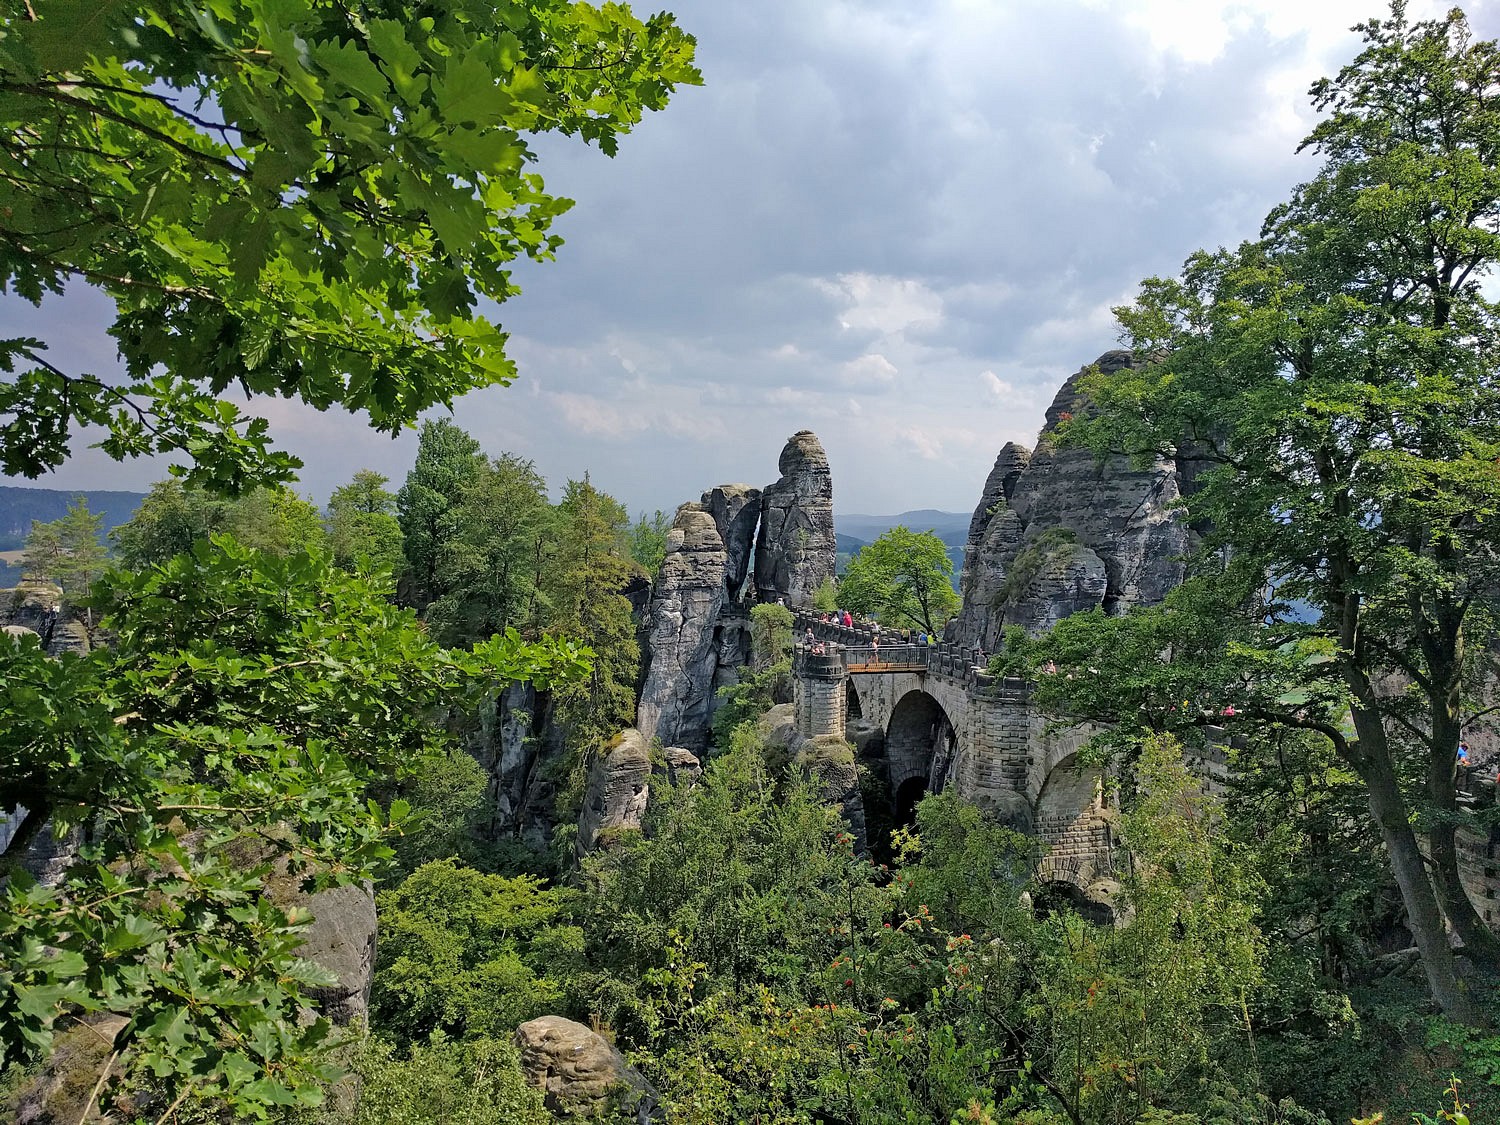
(809, 637)
(848, 620)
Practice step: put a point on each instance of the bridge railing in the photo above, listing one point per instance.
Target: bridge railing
(902, 657)
(968, 666)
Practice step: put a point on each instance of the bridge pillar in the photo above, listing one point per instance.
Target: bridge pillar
(994, 754)
(820, 696)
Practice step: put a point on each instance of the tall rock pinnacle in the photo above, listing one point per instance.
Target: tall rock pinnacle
(795, 551)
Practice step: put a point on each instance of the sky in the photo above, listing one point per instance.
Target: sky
(898, 223)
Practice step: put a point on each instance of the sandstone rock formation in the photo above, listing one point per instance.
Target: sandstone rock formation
(998, 487)
(341, 939)
(619, 785)
(682, 766)
(581, 1074)
(795, 550)
(828, 762)
(736, 512)
(1074, 533)
(515, 741)
(37, 608)
(677, 692)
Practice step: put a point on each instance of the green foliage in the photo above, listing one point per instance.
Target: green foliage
(449, 802)
(291, 199)
(585, 581)
(68, 551)
(468, 954)
(448, 461)
(770, 634)
(648, 540)
(438, 1082)
(362, 527)
(225, 741)
(1335, 379)
(1135, 1014)
(496, 539)
(903, 578)
(766, 973)
(173, 518)
(742, 875)
(766, 680)
(826, 596)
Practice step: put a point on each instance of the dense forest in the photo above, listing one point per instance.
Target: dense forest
(273, 707)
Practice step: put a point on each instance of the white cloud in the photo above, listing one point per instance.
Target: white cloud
(885, 305)
(996, 387)
(922, 443)
(872, 371)
(597, 417)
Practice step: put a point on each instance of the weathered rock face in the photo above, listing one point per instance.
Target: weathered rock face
(341, 939)
(683, 766)
(677, 693)
(829, 763)
(795, 550)
(998, 487)
(736, 512)
(1074, 534)
(37, 607)
(581, 1074)
(515, 740)
(619, 786)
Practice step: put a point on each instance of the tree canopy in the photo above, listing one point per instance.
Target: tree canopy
(904, 578)
(288, 197)
(1336, 377)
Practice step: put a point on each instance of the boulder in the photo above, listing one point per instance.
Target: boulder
(618, 788)
(829, 762)
(682, 766)
(341, 939)
(677, 691)
(582, 1075)
(795, 550)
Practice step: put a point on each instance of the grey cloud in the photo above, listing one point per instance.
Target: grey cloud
(1021, 164)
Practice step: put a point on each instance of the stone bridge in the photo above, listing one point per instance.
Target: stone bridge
(925, 718)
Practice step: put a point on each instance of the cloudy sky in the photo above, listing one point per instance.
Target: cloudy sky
(900, 223)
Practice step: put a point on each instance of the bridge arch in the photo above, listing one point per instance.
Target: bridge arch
(919, 728)
(1076, 834)
(852, 707)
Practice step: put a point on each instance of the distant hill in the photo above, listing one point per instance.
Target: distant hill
(853, 532)
(19, 506)
(951, 527)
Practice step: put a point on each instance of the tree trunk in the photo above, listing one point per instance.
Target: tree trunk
(1390, 813)
(1479, 941)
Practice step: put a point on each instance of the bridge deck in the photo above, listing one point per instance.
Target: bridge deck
(884, 667)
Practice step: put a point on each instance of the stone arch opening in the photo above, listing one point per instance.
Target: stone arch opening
(919, 727)
(908, 794)
(1072, 825)
(852, 709)
(1060, 895)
